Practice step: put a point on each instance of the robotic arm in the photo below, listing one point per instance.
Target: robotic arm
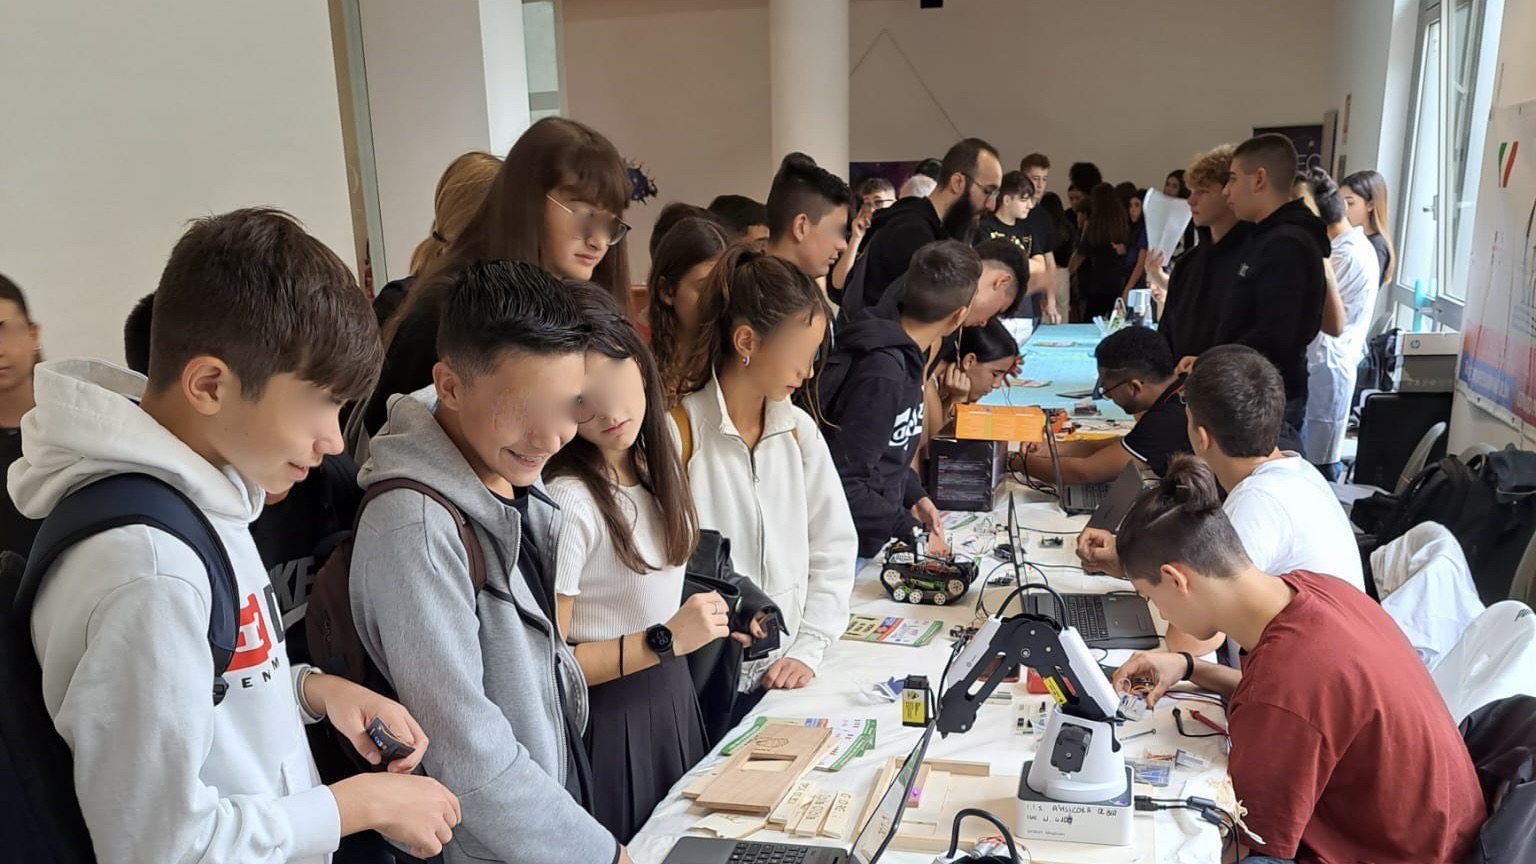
(1079, 759)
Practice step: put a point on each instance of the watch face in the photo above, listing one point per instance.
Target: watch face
(659, 639)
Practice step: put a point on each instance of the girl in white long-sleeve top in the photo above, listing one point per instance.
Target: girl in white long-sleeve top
(758, 466)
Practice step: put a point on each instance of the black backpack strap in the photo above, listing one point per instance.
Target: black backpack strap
(466, 527)
(139, 499)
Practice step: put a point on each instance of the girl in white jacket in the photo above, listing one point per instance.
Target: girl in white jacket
(759, 468)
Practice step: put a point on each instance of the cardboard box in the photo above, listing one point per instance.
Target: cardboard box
(999, 423)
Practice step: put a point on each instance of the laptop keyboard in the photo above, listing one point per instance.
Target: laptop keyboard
(1088, 497)
(1085, 614)
(767, 853)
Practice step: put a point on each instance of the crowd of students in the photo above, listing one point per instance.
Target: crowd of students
(533, 470)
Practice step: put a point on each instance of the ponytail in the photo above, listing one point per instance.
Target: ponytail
(747, 286)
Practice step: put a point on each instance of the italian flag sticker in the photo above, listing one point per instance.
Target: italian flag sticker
(1507, 152)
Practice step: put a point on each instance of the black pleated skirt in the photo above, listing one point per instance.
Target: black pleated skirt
(644, 733)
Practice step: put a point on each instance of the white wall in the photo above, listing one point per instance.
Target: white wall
(682, 85)
(1373, 45)
(1515, 83)
(121, 121)
(443, 79)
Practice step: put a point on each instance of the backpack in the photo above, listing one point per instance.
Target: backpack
(1501, 739)
(42, 820)
(334, 644)
(1488, 503)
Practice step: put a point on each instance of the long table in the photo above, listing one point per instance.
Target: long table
(841, 690)
(1061, 354)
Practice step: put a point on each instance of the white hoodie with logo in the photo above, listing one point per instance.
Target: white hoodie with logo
(121, 632)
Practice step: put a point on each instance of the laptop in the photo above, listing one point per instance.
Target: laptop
(1103, 620)
(1123, 495)
(868, 845)
(1079, 497)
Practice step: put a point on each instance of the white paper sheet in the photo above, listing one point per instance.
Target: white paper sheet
(1165, 217)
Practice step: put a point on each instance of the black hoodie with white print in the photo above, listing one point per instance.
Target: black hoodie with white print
(871, 396)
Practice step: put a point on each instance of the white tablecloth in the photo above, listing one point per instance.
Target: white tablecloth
(850, 668)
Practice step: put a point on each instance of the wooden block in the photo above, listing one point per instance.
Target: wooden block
(697, 787)
(761, 773)
(883, 781)
(786, 808)
(815, 814)
(960, 766)
(918, 786)
(838, 817)
(729, 826)
(935, 793)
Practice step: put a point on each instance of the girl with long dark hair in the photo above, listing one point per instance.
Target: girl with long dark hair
(556, 202)
(680, 266)
(1099, 268)
(629, 528)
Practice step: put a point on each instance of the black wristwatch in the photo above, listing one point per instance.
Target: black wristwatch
(659, 639)
(1189, 665)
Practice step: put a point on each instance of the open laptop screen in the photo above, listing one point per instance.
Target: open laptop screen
(881, 827)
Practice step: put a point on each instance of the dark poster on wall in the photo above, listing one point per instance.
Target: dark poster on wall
(1308, 138)
(896, 172)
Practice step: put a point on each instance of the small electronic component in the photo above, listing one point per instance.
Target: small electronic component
(916, 701)
(1133, 706)
(1051, 542)
(390, 747)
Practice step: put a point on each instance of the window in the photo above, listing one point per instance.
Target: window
(542, 43)
(1453, 90)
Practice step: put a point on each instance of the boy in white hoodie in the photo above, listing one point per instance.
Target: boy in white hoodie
(260, 335)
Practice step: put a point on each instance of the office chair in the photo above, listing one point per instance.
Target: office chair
(1420, 456)
(1490, 661)
(1477, 450)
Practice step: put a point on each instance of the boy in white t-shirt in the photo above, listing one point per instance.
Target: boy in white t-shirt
(1281, 507)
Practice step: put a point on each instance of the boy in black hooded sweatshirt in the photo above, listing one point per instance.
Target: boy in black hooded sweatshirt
(871, 395)
(1276, 303)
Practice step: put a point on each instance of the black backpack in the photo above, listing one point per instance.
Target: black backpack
(41, 815)
(1489, 504)
(716, 668)
(1501, 739)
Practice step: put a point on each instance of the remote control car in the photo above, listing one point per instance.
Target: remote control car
(910, 576)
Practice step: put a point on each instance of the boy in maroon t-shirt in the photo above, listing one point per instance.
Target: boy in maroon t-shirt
(1342, 749)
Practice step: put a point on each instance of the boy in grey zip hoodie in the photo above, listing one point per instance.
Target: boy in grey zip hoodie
(488, 674)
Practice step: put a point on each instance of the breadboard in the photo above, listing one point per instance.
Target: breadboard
(997, 794)
(759, 775)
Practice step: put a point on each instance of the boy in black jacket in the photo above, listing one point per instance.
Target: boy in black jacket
(871, 395)
(1276, 304)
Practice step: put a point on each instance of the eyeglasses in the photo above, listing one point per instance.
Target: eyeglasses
(988, 191)
(1104, 393)
(590, 223)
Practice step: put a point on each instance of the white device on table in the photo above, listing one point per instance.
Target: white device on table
(868, 846)
(1077, 788)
